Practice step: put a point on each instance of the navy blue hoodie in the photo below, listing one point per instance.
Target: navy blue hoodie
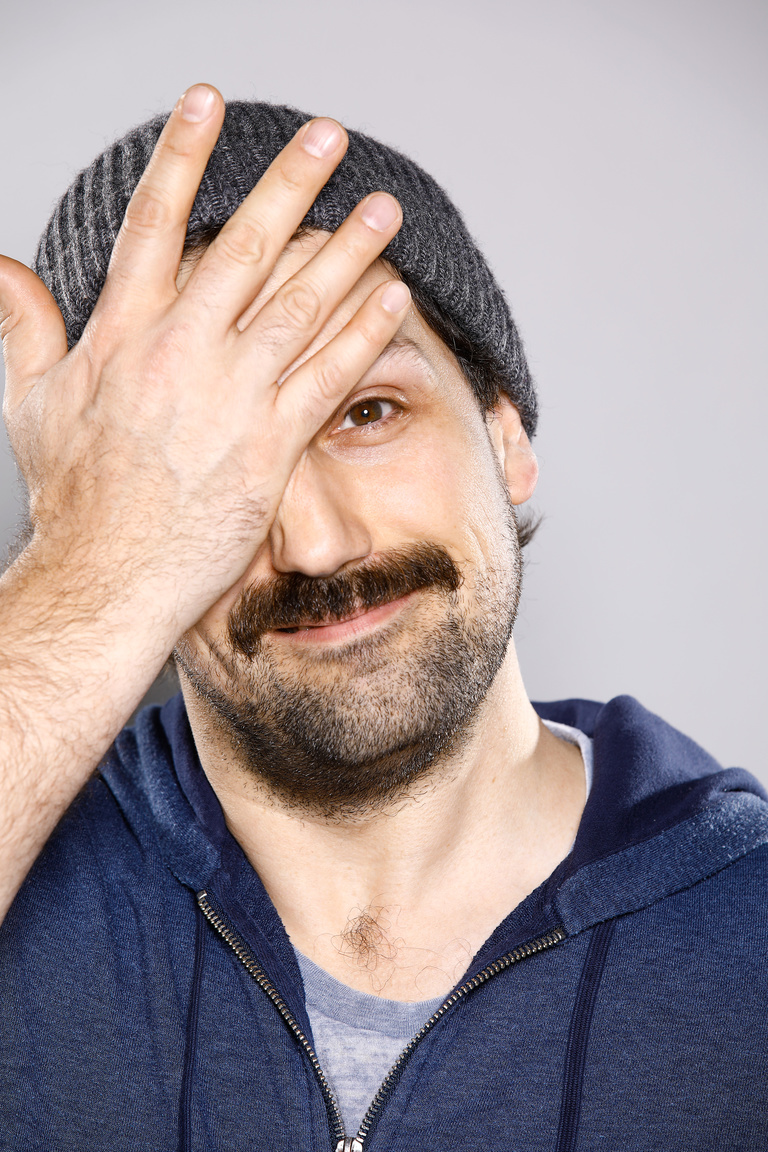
(151, 1001)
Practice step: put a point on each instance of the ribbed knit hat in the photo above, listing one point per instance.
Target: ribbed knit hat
(433, 249)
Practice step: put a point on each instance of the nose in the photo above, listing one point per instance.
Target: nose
(317, 529)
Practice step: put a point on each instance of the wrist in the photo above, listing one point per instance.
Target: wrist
(74, 629)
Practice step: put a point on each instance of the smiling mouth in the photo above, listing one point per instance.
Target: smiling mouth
(304, 626)
(346, 626)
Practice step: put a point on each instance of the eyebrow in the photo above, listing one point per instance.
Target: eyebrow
(406, 344)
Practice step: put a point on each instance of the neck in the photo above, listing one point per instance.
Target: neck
(389, 902)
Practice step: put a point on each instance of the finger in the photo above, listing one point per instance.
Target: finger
(311, 394)
(146, 256)
(290, 320)
(236, 264)
(32, 329)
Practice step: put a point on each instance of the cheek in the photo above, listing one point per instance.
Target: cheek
(433, 488)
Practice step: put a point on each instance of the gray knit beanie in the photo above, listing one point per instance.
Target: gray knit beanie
(433, 250)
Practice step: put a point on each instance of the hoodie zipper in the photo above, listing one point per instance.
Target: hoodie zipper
(259, 975)
(344, 1143)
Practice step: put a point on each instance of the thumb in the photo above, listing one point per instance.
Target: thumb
(32, 329)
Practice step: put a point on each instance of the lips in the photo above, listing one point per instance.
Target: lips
(346, 628)
(305, 624)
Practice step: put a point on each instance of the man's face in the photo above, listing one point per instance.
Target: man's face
(354, 654)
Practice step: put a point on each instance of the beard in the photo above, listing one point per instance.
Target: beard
(347, 730)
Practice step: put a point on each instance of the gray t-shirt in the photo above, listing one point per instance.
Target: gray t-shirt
(358, 1037)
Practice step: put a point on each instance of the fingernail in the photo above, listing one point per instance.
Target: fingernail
(380, 211)
(197, 103)
(395, 297)
(321, 138)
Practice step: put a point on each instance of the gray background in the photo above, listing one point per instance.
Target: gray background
(610, 158)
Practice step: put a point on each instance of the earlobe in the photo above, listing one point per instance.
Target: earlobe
(516, 455)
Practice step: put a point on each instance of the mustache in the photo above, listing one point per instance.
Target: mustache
(293, 599)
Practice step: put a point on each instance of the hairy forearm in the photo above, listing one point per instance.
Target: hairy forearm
(157, 450)
(78, 650)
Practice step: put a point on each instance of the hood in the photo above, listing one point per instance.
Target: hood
(661, 816)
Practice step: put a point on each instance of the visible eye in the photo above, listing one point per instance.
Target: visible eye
(367, 412)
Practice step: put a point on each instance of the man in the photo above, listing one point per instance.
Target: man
(353, 891)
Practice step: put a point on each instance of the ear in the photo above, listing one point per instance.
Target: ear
(513, 450)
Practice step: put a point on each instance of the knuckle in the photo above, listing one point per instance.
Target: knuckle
(8, 321)
(372, 335)
(329, 380)
(300, 303)
(354, 243)
(173, 146)
(168, 351)
(147, 212)
(244, 243)
(292, 176)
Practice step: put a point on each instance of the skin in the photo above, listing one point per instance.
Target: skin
(194, 439)
(156, 452)
(388, 901)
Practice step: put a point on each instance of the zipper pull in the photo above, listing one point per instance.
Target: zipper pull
(349, 1144)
